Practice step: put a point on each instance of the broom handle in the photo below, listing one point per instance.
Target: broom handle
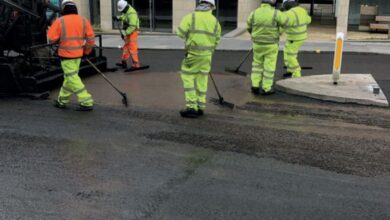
(246, 57)
(215, 86)
(103, 75)
(128, 51)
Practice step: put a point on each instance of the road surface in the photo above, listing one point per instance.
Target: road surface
(280, 157)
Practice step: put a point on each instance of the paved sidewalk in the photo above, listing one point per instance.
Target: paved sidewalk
(171, 42)
(351, 88)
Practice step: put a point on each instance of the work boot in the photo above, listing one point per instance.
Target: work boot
(255, 91)
(57, 104)
(189, 113)
(287, 75)
(265, 93)
(136, 65)
(200, 112)
(122, 64)
(83, 108)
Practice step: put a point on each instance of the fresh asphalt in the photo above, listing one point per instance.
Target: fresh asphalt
(322, 63)
(280, 157)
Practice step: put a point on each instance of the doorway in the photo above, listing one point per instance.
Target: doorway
(226, 12)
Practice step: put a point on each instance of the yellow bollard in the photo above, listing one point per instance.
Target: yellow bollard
(338, 57)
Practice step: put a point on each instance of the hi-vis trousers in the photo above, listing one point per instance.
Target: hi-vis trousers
(265, 57)
(291, 51)
(130, 49)
(194, 74)
(72, 84)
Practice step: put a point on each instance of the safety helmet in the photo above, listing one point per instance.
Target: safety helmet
(66, 3)
(288, 4)
(272, 2)
(212, 2)
(285, 1)
(122, 4)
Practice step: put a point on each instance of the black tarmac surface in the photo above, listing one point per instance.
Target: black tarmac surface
(280, 157)
(322, 63)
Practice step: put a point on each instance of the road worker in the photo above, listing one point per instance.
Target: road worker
(296, 34)
(201, 32)
(264, 24)
(75, 38)
(130, 26)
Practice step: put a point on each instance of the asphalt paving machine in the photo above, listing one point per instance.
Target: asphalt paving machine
(28, 64)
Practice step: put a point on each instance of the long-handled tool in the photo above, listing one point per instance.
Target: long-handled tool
(131, 69)
(302, 67)
(220, 101)
(124, 95)
(237, 69)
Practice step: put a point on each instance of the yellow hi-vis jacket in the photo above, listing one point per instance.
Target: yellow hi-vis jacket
(298, 21)
(265, 23)
(201, 31)
(130, 21)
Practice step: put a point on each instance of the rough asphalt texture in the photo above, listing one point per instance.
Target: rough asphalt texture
(280, 157)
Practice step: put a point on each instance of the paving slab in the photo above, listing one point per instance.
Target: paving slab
(352, 88)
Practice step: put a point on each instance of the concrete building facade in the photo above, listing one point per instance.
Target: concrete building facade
(165, 15)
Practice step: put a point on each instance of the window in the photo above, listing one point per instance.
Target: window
(94, 6)
(227, 14)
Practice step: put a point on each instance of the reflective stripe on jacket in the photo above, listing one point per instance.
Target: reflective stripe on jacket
(264, 24)
(71, 32)
(201, 31)
(130, 20)
(297, 28)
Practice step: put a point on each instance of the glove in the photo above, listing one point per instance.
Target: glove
(87, 53)
(125, 26)
(115, 18)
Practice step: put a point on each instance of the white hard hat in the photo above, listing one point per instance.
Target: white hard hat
(122, 4)
(208, 1)
(67, 2)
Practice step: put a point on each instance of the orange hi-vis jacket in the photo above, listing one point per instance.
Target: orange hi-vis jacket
(71, 32)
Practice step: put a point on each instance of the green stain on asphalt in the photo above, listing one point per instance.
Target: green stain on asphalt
(196, 159)
(80, 150)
